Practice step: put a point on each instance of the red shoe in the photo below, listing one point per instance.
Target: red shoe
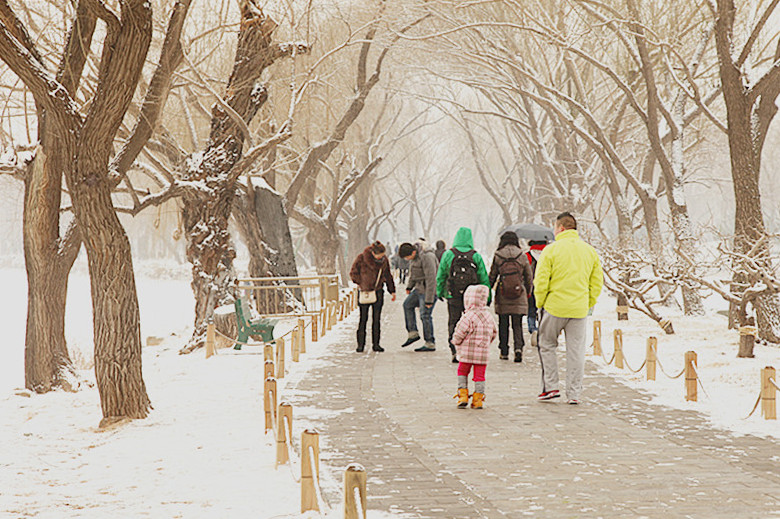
(549, 395)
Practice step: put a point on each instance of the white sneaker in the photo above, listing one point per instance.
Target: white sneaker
(534, 341)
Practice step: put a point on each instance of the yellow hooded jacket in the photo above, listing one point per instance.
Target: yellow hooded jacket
(568, 277)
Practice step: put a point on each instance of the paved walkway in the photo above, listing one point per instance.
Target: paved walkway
(613, 456)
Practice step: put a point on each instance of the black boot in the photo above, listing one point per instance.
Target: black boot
(377, 348)
(518, 355)
(360, 348)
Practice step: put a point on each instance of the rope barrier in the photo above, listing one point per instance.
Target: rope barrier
(628, 366)
(698, 379)
(273, 414)
(291, 450)
(658, 361)
(605, 359)
(358, 502)
(755, 406)
(772, 381)
(254, 343)
(323, 505)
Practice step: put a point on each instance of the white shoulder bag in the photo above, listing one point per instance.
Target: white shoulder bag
(368, 297)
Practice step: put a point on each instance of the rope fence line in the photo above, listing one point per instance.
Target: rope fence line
(628, 366)
(660, 365)
(278, 418)
(693, 379)
(698, 378)
(322, 505)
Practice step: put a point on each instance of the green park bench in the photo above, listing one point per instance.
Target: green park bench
(262, 326)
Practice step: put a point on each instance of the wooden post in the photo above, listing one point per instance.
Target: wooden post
(622, 307)
(618, 338)
(285, 409)
(315, 328)
(302, 337)
(268, 369)
(309, 438)
(295, 347)
(768, 394)
(651, 356)
(269, 402)
(354, 477)
(268, 352)
(596, 337)
(690, 377)
(280, 357)
(747, 339)
(211, 348)
(330, 312)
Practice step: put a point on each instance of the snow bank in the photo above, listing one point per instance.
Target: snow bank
(200, 453)
(731, 385)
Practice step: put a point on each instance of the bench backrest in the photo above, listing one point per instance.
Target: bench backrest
(243, 312)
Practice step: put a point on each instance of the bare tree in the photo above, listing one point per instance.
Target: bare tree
(750, 108)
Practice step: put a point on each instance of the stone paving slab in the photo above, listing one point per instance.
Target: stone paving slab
(613, 456)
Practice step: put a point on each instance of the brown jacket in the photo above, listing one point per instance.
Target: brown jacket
(511, 306)
(365, 271)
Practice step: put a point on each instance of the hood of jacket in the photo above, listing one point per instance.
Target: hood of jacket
(476, 296)
(463, 240)
(509, 251)
(423, 246)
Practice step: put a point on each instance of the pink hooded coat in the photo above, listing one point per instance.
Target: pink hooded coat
(476, 329)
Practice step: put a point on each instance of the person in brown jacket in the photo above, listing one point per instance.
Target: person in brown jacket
(371, 272)
(511, 276)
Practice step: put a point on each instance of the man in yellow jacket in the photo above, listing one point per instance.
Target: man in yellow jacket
(567, 282)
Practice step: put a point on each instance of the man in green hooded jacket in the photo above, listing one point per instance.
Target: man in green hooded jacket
(451, 285)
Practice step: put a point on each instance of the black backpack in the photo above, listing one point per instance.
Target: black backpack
(510, 274)
(463, 272)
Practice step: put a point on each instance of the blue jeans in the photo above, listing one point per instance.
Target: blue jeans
(413, 300)
(532, 314)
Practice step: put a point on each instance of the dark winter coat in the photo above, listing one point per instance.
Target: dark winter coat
(422, 272)
(511, 306)
(365, 270)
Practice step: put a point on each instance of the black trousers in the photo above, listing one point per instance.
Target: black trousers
(503, 332)
(376, 316)
(455, 311)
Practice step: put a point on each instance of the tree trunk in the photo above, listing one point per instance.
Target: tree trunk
(47, 363)
(117, 333)
(325, 247)
(206, 213)
(746, 140)
(264, 223)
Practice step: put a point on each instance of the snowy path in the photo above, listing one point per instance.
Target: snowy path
(613, 456)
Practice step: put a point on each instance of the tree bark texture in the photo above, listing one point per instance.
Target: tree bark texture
(48, 258)
(263, 222)
(746, 138)
(47, 363)
(117, 333)
(205, 214)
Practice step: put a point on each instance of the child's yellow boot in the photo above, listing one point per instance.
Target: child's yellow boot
(476, 400)
(463, 398)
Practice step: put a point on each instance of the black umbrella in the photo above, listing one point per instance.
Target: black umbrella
(530, 232)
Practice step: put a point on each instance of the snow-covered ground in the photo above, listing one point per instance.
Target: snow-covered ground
(200, 453)
(731, 385)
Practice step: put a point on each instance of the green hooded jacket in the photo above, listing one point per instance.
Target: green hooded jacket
(464, 243)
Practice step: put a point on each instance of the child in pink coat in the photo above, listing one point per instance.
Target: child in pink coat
(474, 333)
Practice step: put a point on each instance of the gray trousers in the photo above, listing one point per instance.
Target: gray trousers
(550, 328)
